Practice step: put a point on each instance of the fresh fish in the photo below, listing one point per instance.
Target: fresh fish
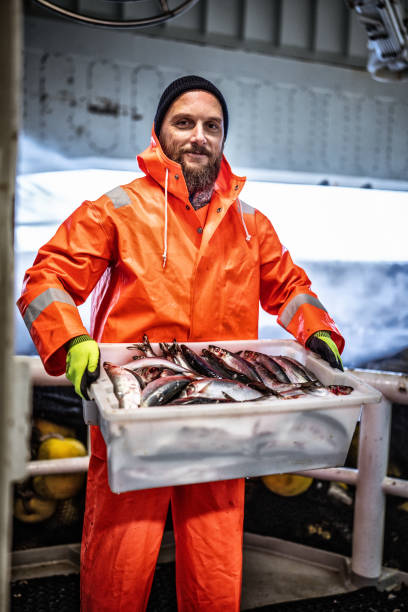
(165, 349)
(178, 355)
(225, 372)
(340, 389)
(316, 390)
(144, 347)
(308, 373)
(296, 370)
(293, 390)
(267, 362)
(126, 386)
(234, 363)
(216, 363)
(292, 393)
(163, 389)
(168, 372)
(147, 374)
(148, 350)
(289, 390)
(199, 364)
(217, 389)
(137, 346)
(269, 380)
(291, 369)
(197, 399)
(156, 362)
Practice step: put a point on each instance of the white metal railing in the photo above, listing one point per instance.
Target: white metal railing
(370, 479)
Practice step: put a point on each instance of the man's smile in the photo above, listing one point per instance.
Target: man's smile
(196, 156)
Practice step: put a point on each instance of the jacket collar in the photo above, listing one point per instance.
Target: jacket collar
(154, 163)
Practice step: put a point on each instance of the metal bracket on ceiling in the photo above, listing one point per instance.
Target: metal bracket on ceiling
(387, 33)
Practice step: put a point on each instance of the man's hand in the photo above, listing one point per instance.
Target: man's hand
(322, 344)
(82, 365)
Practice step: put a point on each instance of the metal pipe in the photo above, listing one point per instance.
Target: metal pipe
(38, 374)
(69, 465)
(390, 486)
(369, 508)
(393, 385)
(395, 486)
(347, 475)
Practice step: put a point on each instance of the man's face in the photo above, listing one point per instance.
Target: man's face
(192, 134)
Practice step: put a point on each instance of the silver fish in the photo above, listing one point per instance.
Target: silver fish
(267, 362)
(156, 362)
(163, 389)
(234, 362)
(165, 349)
(217, 364)
(126, 386)
(144, 347)
(196, 399)
(292, 369)
(317, 391)
(292, 393)
(148, 374)
(217, 389)
(168, 372)
(268, 379)
(308, 373)
(178, 355)
(199, 364)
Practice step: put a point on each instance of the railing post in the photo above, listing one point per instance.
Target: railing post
(10, 79)
(369, 509)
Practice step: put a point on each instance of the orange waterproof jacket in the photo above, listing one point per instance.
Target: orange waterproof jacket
(209, 288)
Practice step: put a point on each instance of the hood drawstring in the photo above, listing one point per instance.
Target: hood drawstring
(164, 256)
(247, 234)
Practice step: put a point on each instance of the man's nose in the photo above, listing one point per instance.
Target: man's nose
(198, 134)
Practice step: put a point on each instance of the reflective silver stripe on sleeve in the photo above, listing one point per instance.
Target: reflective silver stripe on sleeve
(291, 309)
(118, 196)
(42, 301)
(246, 208)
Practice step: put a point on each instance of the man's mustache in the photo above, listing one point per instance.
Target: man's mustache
(198, 150)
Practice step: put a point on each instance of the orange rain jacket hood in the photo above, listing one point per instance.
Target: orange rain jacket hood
(208, 289)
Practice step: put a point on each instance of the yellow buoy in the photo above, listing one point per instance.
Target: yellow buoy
(45, 428)
(59, 486)
(57, 448)
(34, 510)
(287, 485)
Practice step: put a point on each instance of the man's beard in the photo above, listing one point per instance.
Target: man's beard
(198, 178)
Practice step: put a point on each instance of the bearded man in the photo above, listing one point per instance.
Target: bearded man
(174, 254)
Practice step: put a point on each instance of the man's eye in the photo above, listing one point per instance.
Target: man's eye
(213, 126)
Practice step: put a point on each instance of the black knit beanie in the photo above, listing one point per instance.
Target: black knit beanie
(180, 86)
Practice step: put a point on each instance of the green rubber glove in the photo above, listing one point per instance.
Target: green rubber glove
(82, 364)
(321, 343)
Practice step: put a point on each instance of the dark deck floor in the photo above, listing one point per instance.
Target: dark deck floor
(61, 594)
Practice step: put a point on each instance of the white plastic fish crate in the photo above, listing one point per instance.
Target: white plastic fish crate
(174, 445)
